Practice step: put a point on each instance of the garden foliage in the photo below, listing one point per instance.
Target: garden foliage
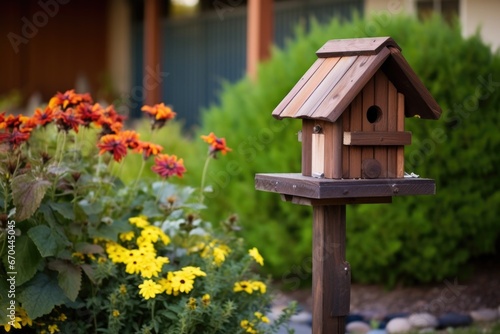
(414, 239)
(82, 252)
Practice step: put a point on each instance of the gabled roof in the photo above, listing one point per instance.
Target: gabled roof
(343, 68)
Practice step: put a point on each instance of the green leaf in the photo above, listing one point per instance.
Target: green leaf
(46, 239)
(27, 194)
(86, 248)
(27, 259)
(69, 278)
(110, 231)
(41, 295)
(65, 209)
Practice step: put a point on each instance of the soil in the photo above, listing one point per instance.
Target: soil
(480, 290)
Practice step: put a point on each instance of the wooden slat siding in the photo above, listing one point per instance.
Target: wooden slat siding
(330, 81)
(346, 124)
(307, 131)
(357, 46)
(419, 100)
(334, 201)
(318, 154)
(305, 92)
(392, 109)
(356, 125)
(377, 138)
(337, 148)
(298, 185)
(381, 91)
(329, 157)
(367, 152)
(400, 165)
(298, 86)
(339, 98)
(330, 280)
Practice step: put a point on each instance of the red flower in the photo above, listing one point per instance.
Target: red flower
(216, 144)
(15, 138)
(67, 120)
(68, 99)
(110, 121)
(11, 122)
(147, 149)
(89, 113)
(43, 117)
(168, 165)
(113, 144)
(160, 114)
(131, 138)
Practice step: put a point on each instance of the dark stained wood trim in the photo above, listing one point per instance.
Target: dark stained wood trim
(355, 46)
(331, 281)
(334, 201)
(377, 138)
(419, 100)
(304, 186)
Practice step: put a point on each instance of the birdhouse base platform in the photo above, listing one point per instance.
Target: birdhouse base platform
(307, 190)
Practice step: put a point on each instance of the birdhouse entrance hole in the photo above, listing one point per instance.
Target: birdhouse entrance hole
(374, 114)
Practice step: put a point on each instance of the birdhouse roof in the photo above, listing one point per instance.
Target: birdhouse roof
(343, 68)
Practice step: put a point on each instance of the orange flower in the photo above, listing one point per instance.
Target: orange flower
(43, 117)
(11, 122)
(113, 144)
(160, 114)
(147, 149)
(110, 121)
(67, 120)
(131, 138)
(168, 165)
(216, 144)
(68, 99)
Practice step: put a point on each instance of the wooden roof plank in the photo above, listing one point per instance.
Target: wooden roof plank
(329, 83)
(419, 100)
(339, 98)
(355, 47)
(305, 91)
(298, 86)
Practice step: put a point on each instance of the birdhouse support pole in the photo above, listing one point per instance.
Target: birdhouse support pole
(331, 273)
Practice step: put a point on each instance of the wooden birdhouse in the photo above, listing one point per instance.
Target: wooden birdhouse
(353, 101)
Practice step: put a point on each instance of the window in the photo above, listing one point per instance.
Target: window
(449, 9)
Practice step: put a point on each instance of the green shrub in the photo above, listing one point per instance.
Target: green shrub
(419, 238)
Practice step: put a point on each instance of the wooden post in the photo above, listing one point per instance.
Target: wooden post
(151, 72)
(331, 273)
(259, 33)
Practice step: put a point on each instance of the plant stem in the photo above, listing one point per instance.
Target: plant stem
(203, 178)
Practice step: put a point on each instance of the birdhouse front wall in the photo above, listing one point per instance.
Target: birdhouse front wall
(366, 141)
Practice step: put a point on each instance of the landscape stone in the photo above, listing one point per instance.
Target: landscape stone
(358, 327)
(377, 331)
(484, 315)
(423, 320)
(454, 320)
(302, 317)
(398, 325)
(391, 316)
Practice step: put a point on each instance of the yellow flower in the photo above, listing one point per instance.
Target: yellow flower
(140, 221)
(16, 324)
(127, 236)
(192, 303)
(205, 299)
(254, 252)
(123, 289)
(261, 317)
(149, 289)
(116, 252)
(218, 251)
(25, 319)
(116, 313)
(243, 286)
(62, 317)
(248, 326)
(166, 284)
(78, 256)
(151, 233)
(53, 328)
(196, 271)
(182, 281)
(256, 285)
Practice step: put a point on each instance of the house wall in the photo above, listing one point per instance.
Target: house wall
(473, 14)
(484, 14)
